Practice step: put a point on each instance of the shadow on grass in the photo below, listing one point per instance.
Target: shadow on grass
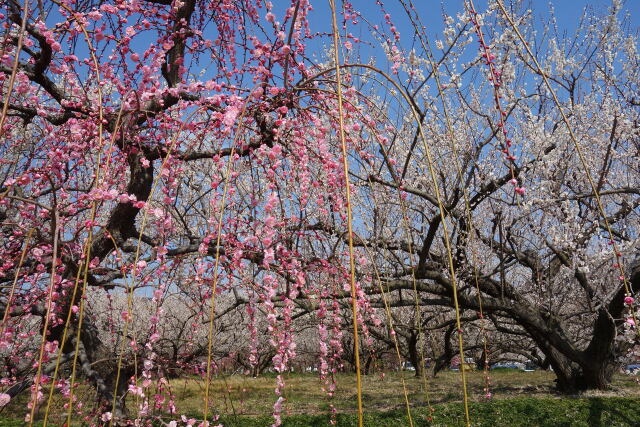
(602, 414)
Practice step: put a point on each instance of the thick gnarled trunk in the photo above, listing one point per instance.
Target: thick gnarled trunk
(572, 377)
(593, 367)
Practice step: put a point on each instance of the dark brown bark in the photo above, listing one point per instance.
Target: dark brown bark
(415, 355)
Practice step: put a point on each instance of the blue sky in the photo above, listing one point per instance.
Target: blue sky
(431, 12)
(567, 17)
(567, 12)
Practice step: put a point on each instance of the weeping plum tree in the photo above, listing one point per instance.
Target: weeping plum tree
(153, 149)
(156, 151)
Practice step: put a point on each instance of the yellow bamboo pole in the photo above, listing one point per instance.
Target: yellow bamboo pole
(345, 164)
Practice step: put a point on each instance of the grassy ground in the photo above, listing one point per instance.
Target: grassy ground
(255, 396)
(515, 412)
(519, 398)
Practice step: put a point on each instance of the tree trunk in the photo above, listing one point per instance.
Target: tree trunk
(572, 377)
(482, 361)
(414, 353)
(443, 361)
(367, 364)
(593, 367)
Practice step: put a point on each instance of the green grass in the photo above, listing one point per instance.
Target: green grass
(519, 398)
(254, 396)
(522, 411)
